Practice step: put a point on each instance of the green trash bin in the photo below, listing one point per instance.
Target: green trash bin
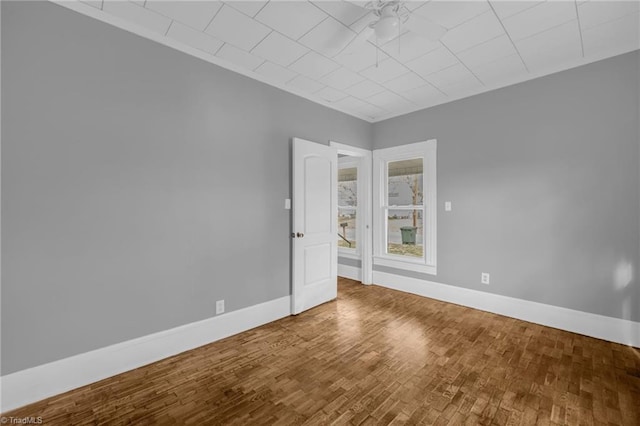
(408, 234)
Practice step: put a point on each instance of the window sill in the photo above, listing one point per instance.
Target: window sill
(405, 265)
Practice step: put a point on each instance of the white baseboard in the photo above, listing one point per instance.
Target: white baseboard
(37, 383)
(351, 272)
(607, 328)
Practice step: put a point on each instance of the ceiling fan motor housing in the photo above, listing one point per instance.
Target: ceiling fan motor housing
(388, 25)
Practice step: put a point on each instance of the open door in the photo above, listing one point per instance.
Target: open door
(315, 247)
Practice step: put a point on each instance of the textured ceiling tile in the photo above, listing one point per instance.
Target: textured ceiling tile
(433, 61)
(233, 27)
(539, 18)
(364, 89)
(314, 65)
(94, 3)
(329, 37)
(351, 103)
(279, 49)
(425, 94)
(475, 31)
(194, 38)
(384, 71)
(275, 72)
(330, 94)
(248, 7)
(594, 13)
(131, 12)
(454, 76)
(389, 100)
(239, 57)
(305, 84)
(551, 48)
(488, 51)
(371, 111)
(450, 14)
(409, 46)
(345, 12)
(622, 34)
(505, 70)
(406, 81)
(196, 14)
(364, 57)
(504, 9)
(291, 18)
(342, 78)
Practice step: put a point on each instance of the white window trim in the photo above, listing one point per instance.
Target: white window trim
(427, 151)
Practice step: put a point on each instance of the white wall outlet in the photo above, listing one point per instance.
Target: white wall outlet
(287, 204)
(219, 307)
(447, 206)
(484, 278)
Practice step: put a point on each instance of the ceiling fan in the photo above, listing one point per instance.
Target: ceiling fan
(391, 17)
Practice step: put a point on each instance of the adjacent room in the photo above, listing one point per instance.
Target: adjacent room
(320, 212)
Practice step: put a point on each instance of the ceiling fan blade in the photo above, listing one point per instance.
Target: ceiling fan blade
(359, 40)
(425, 28)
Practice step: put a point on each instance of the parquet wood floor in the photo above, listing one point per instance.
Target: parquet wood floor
(374, 356)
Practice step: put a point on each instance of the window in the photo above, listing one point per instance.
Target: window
(348, 233)
(405, 207)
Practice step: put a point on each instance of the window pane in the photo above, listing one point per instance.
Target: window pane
(404, 182)
(404, 233)
(347, 228)
(348, 187)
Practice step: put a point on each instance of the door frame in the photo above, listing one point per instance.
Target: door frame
(366, 226)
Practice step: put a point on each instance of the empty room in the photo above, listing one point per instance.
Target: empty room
(320, 212)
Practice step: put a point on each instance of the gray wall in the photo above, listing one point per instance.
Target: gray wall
(139, 185)
(543, 177)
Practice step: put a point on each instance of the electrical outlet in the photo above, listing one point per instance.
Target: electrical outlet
(484, 278)
(219, 307)
(447, 206)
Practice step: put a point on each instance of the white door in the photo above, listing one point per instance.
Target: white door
(315, 227)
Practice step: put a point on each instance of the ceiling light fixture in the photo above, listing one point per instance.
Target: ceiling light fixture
(393, 18)
(388, 27)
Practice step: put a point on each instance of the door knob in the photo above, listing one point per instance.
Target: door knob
(299, 235)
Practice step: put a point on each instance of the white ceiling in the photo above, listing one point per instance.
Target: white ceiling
(303, 46)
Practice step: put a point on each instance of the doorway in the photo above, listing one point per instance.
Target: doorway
(355, 233)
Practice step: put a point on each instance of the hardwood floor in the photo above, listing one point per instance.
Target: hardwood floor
(375, 356)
